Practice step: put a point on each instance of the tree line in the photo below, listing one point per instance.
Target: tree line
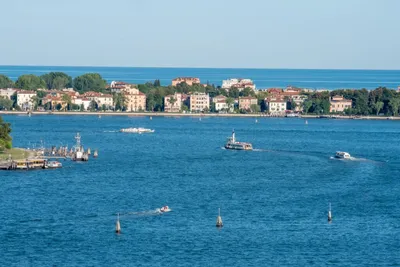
(56, 80)
(5, 138)
(380, 101)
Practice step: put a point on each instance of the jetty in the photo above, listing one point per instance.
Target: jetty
(27, 164)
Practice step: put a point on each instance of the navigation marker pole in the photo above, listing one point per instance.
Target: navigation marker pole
(219, 219)
(118, 226)
(329, 213)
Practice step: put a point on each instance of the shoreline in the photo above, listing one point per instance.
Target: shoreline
(163, 114)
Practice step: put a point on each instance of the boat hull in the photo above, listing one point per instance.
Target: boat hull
(238, 147)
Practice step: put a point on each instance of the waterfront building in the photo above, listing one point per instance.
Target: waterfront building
(173, 103)
(25, 99)
(291, 92)
(299, 100)
(188, 80)
(238, 83)
(246, 102)
(134, 99)
(218, 98)
(100, 98)
(54, 101)
(339, 103)
(7, 93)
(221, 105)
(199, 102)
(82, 101)
(119, 87)
(276, 105)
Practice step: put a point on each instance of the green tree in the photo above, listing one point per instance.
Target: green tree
(157, 83)
(5, 103)
(30, 82)
(255, 108)
(394, 104)
(234, 92)
(93, 105)
(57, 80)
(35, 101)
(90, 82)
(307, 104)
(247, 92)
(67, 99)
(6, 82)
(293, 105)
(172, 101)
(229, 102)
(378, 106)
(5, 138)
(119, 101)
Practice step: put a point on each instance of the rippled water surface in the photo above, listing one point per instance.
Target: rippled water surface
(273, 200)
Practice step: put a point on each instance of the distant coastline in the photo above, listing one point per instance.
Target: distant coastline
(197, 115)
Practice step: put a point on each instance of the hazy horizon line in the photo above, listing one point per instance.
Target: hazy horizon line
(169, 67)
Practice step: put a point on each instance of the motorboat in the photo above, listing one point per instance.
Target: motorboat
(342, 155)
(235, 145)
(165, 209)
(54, 164)
(136, 130)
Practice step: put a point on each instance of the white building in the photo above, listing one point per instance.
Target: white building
(174, 105)
(82, 101)
(25, 99)
(101, 99)
(238, 83)
(7, 93)
(276, 105)
(299, 99)
(199, 102)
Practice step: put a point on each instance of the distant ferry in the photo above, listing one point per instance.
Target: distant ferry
(342, 155)
(136, 130)
(233, 144)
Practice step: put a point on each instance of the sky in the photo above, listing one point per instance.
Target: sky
(311, 34)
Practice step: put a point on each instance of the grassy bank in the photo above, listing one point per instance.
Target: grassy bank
(16, 154)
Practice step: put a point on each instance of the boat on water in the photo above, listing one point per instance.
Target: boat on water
(54, 164)
(235, 145)
(342, 155)
(79, 153)
(136, 130)
(165, 209)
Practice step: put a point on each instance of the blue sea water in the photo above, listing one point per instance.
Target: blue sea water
(273, 200)
(263, 78)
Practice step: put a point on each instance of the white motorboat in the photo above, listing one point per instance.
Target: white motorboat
(54, 164)
(165, 209)
(342, 155)
(136, 130)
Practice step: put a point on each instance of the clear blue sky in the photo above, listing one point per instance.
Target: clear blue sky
(351, 34)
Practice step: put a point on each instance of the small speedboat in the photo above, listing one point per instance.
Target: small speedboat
(136, 130)
(54, 164)
(342, 155)
(165, 209)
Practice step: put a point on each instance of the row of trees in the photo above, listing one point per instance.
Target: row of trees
(5, 138)
(56, 80)
(379, 101)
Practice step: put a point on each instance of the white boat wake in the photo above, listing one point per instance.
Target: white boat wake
(110, 131)
(154, 212)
